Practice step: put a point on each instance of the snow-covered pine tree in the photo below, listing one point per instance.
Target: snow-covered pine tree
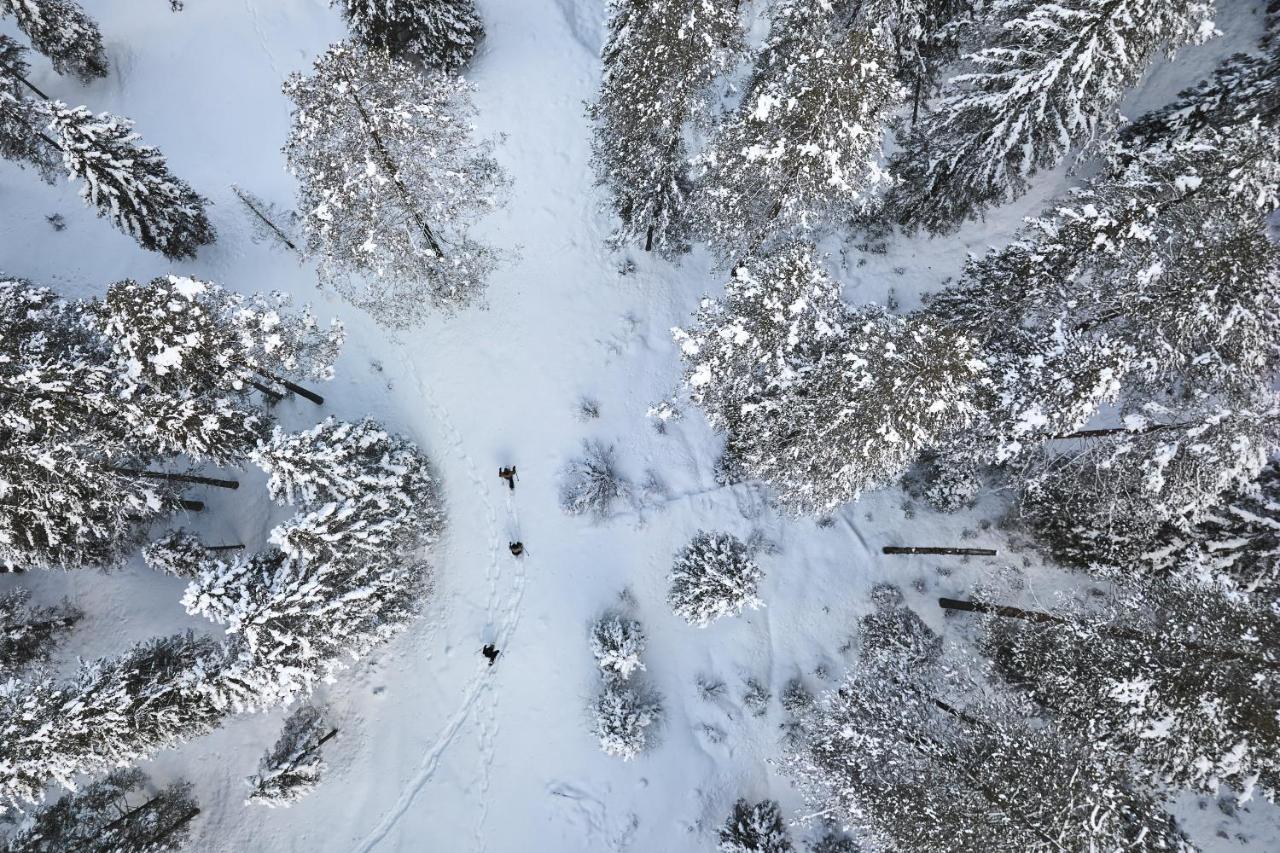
(801, 152)
(115, 712)
(713, 576)
(754, 828)
(822, 401)
(62, 31)
(617, 642)
(129, 183)
(360, 489)
(658, 69)
(292, 768)
(390, 181)
(181, 554)
(936, 762)
(28, 634)
(114, 814)
(1105, 505)
(894, 634)
(292, 623)
(187, 353)
(443, 33)
(1180, 678)
(925, 35)
(22, 137)
(623, 715)
(1235, 547)
(1047, 76)
(64, 502)
(64, 505)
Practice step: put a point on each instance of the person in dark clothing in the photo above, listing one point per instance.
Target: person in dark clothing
(509, 474)
(491, 652)
(517, 548)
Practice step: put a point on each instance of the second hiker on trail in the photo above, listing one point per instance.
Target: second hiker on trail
(517, 548)
(509, 474)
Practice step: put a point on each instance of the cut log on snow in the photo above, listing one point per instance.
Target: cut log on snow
(917, 549)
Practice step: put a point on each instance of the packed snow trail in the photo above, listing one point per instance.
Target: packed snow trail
(480, 682)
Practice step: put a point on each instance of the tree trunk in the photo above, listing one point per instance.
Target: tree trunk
(390, 165)
(1042, 618)
(192, 506)
(224, 547)
(275, 396)
(296, 389)
(913, 549)
(262, 216)
(1105, 431)
(178, 478)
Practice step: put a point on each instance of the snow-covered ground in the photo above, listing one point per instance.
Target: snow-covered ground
(436, 750)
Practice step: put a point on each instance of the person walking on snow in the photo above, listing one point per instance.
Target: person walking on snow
(491, 652)
(509, 474)
(517, 548)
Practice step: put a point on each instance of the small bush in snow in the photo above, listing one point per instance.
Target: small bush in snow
(754, 829)
(617, 643)
(592, 483)
(756, 697)
(623, 717)
(713, 576)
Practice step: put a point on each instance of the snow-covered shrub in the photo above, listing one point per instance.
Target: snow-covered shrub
(831, 840)
(623, 715)
(617, 643)
(952, 482)
(99, 818)
(713, 576)
(754, 829)
(756, 697)
(592, 484)
(292, 768)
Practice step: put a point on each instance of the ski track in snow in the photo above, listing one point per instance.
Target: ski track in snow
(480, 682)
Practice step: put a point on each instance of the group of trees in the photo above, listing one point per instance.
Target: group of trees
(342, 575)
(389, 177)
(1149, 295)
(103, 399)
(1111, 370)
(1018, 86)
(124, 180)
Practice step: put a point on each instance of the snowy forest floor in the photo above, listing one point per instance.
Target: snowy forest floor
(437, 751)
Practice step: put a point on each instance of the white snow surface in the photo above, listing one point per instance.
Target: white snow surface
(436, 750)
